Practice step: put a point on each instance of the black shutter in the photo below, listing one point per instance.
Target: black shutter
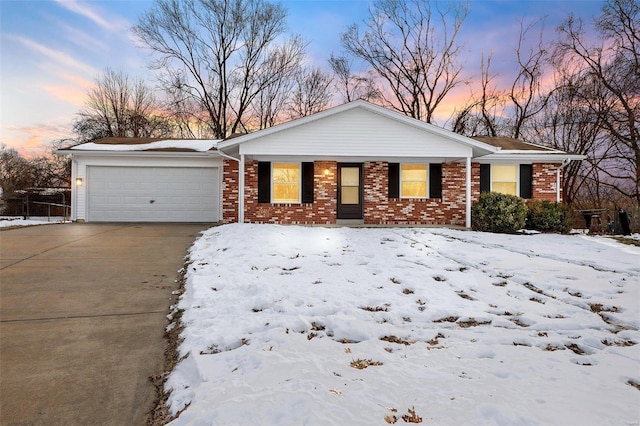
(435, 180)
(307, 182)
(264, 182)
(394, 180)
(526, 181)
(485, 177)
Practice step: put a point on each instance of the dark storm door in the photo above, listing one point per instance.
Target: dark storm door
(350, 197)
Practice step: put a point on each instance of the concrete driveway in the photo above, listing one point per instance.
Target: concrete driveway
(82, 314)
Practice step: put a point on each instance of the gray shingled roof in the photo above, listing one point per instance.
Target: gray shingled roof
(511, 144)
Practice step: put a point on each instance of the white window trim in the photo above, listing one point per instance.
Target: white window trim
(517, 166)
(427, 181)
(299, 183)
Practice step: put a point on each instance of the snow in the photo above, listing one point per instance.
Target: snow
(194, 144)
(466, 328)
(12, 221)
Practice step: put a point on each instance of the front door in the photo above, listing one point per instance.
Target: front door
(350, 191)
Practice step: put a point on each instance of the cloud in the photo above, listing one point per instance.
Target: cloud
(74, 93)
(109, 23)
(82, 39)
(56, 55)
(35, 140)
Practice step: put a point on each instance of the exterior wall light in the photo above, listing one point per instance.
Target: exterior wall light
(78, 181)
(326, 172)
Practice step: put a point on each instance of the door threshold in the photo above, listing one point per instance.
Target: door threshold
(349, 222)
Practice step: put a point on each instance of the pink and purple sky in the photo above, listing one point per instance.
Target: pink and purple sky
(51, 51)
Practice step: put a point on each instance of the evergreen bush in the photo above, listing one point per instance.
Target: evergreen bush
(545, 216)
(495, 212)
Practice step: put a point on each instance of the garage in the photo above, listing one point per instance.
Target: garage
(153, 194)
(146, 180)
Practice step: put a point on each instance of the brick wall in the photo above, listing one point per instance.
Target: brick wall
(322, 211)
(229, 194)
(379, 209)
(544, 181)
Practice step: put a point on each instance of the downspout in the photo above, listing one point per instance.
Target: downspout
(468, 194)
(240, 183)
(564, 164)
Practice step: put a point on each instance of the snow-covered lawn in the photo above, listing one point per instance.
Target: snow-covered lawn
(14, 222)
(453, 328)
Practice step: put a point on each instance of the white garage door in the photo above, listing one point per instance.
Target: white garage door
(153, 194)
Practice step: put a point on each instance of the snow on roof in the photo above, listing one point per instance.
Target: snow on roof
(200, 145)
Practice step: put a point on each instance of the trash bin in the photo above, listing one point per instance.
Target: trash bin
(624, 222)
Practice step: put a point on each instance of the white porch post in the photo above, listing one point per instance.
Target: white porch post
(241, 189)
(558, 187)
(73, 215)
(468, 193)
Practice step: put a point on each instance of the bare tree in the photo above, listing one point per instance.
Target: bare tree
(219, 54)
(311, 93)
(509, 111)
(19, 173)
(413, 50)
(526, 94)
(612, 65)
(482, 115)
(568, 124)
(352, 86)
(120, 107)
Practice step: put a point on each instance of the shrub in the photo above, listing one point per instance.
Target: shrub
(495, 212)
(545, 216)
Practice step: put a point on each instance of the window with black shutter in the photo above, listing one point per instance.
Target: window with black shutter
(526, 180)
(394, 180)
(485, 177)
(307, 182)
(264, 182)
(435, 180)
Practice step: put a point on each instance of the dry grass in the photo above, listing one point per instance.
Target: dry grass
(361, 364)
(159, 414)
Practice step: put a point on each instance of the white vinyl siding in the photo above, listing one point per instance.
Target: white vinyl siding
(355, 133)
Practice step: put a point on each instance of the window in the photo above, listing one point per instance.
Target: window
(286, 183)
(413, 181)
(408, 179)
(350, 185)
(504, 179)
(515, 179)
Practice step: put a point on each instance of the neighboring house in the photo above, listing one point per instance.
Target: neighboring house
(355, 163)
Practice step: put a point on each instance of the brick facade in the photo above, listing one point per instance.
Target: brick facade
(321, 212)
(230, 195)
(378, 208)
(544, 181)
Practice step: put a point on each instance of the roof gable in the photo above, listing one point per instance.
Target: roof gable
(356, 129)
